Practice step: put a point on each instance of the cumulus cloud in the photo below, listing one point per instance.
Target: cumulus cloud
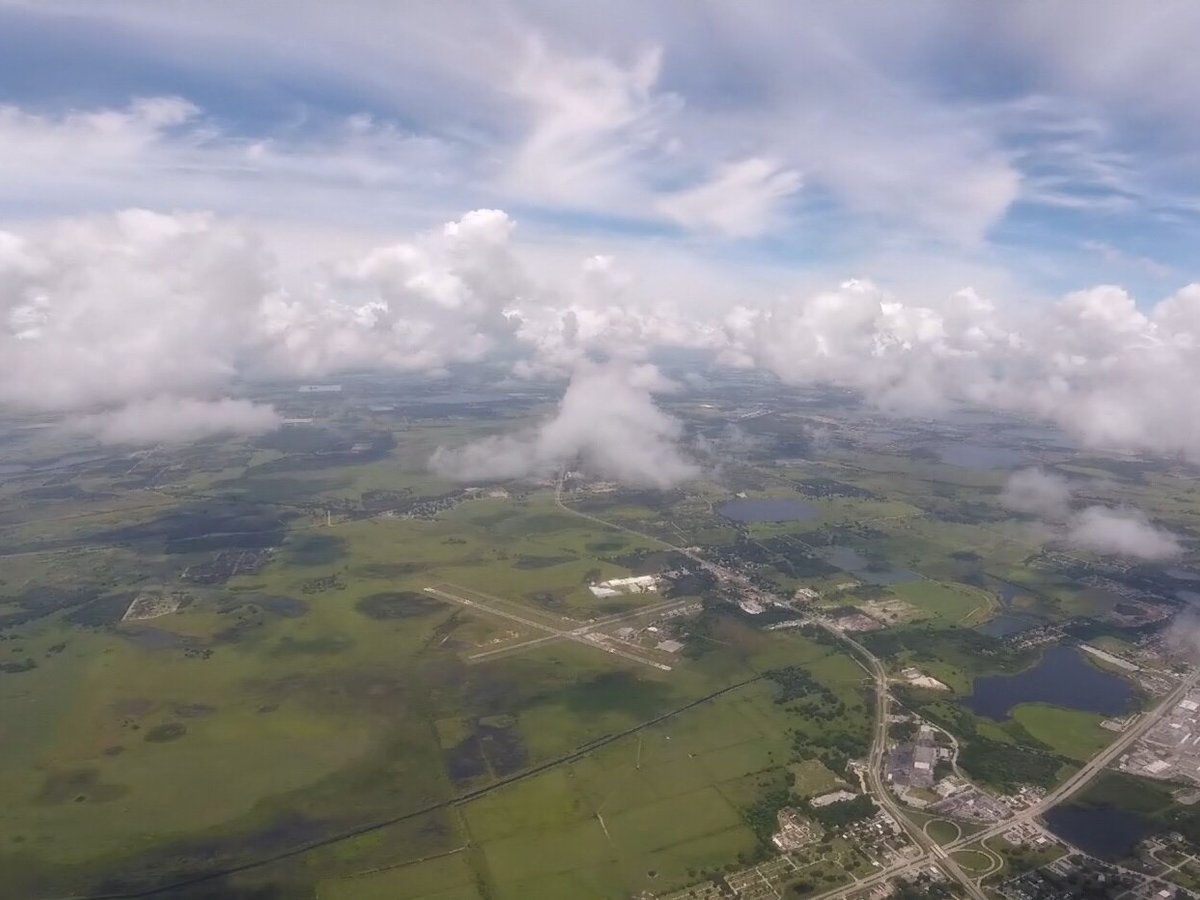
(172, 419)
(415, 305)
(1122, 532)
(607, 422)
(1097, 529)
(1093, 363)
(98, 312)
(1038, 493)
(117, 312)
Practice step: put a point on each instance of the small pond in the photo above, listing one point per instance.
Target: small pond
(1063, 677)
(749, 511)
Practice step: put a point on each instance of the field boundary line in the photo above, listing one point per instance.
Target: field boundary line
(459, 800)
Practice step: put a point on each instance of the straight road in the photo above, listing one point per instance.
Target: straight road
(1095, 766)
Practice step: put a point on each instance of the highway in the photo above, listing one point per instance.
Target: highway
(875, 761)
(1072, 785)
(933, 852)
(1094, 766)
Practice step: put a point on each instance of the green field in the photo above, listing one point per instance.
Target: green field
(1074, 734)
(316, 717)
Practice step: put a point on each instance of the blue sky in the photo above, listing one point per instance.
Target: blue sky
(930, 204)
(1022, 149)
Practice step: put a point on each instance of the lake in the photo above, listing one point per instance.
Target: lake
(1103, 831)
(1006, 622)
(1063, 677)
(1004, 625)
(748, 511)
(850, 560)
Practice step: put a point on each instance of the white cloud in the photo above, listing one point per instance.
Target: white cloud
(1038, 493)
(594, 125)
(1097, 529)
(101, 311)
(109, 309)
(911, 123)
(174, 419)
(413, 305)
(43, 148)
(1093, 363)
(111, 312)
(1121, 532)
(741, 199)
(607, 422)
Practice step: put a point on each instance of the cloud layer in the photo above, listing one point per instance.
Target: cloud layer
(103, 311)
(1094, 362)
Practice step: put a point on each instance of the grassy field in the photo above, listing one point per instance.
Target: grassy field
(1069, 732)
(294, 704)
(813, 778)
(332, 717)
(943, 831)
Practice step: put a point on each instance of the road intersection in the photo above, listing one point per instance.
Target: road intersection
(933, 853)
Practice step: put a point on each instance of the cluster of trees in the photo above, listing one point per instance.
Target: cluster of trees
(943, 644)
(794, 682)
(806, 696)
(838, 815)
(1009, 765)
(763, 815)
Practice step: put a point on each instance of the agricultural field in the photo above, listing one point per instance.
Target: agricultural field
(304, 663)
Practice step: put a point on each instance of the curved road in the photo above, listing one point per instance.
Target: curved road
(933, 851)
(879, 740)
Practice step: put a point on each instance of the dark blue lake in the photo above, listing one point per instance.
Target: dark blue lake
(769, 510)
(1063, 677)
(1104, 831)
